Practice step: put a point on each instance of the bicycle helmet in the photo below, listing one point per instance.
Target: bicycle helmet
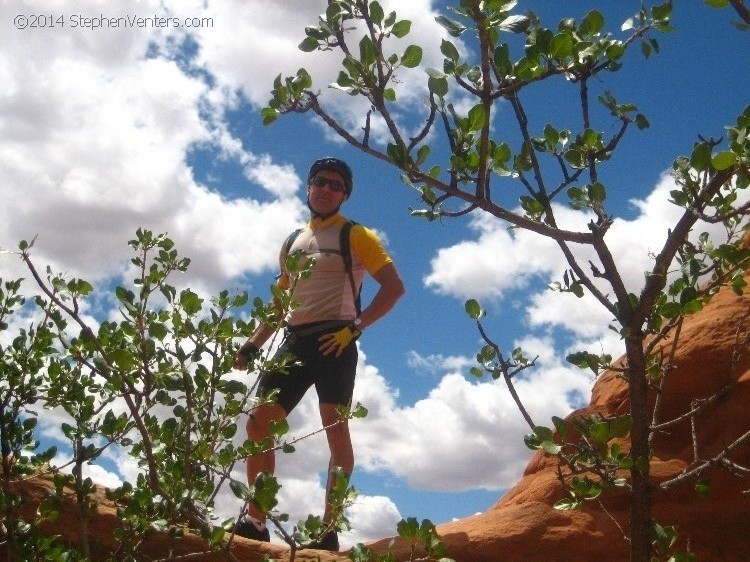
(336, 165)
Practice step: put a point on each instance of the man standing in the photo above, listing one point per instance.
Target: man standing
(321, 332)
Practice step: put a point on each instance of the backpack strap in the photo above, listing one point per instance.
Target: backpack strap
(285, 248)
(346, 255)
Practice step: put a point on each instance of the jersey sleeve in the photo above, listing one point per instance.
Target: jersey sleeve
(368, 248)
(282, 279)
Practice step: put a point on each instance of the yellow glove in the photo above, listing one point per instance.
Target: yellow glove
(338, 341)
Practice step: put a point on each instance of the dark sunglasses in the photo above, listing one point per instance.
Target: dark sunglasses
(334, 185)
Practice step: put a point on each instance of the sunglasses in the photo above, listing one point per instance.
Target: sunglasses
(334, 185)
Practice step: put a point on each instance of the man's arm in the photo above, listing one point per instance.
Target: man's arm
(391, 289)
(254, 343)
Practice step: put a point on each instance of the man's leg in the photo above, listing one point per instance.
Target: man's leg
(340, 445)
(252, 524)
(257, 430)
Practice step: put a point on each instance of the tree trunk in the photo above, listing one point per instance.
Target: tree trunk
(640, 499)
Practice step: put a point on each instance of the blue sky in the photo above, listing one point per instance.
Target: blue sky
(103, 131)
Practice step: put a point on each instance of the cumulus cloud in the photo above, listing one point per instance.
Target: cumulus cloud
(248, 48)
(498, 261)
(438, 363)
(460, 425)
(96, 129)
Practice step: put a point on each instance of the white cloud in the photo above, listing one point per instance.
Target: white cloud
(498, 261)
(248, 48)
(98, 474)
(282, 181)
(372, 517)
(439, 363)
(96, 128)
(459, 426)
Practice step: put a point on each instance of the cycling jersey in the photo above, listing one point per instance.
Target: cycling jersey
(327, 293)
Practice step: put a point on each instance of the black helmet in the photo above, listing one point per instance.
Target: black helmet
(338, 166)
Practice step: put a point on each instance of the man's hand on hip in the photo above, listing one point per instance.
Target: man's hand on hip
(338, 341)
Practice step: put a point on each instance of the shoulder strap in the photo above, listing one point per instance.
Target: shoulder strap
(346, 255)
(286, 246)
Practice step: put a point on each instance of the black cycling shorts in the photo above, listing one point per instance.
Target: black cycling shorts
(332, 376)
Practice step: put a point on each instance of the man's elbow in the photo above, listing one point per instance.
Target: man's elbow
(399, 290)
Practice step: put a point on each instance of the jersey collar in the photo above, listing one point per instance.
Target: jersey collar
(317, 223)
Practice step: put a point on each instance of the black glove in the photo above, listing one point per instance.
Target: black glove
(248, 351)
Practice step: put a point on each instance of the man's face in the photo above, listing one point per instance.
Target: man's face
(326, 192)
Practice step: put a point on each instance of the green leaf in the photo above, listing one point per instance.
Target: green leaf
(376, 12)
(562, 46)
(567, 504)
(412, 56)
(157, 330)
(477, 117)
(614, 52)
(620, 426)
(561, 426)
(544, 433)
(123, 359)
(597, 192)
(662, 12)
(703, 488)
(641, 122)
(454, 28)
(397, 154)
(423, 153)
(600, 432)
(700, 159)
(408, 528)
(515, 24)
(724, 160)
(240, 490)
(367, 53)
(269, 115)
(190, 302)
(309, 45)
(473, 309)
(438, 86)
(670, 310)
(592, 23)
(693, 306)
(449, 50)
(401, 28)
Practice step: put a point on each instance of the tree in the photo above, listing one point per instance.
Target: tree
(546, 165)
(158, 383)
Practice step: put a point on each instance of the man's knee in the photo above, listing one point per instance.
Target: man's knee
(259, 420)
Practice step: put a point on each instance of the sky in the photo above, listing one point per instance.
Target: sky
(104, 130)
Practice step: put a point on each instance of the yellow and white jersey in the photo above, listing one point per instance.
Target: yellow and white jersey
(327, 293)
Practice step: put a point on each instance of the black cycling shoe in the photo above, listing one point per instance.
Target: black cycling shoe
(247, 529)
(329, 541)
